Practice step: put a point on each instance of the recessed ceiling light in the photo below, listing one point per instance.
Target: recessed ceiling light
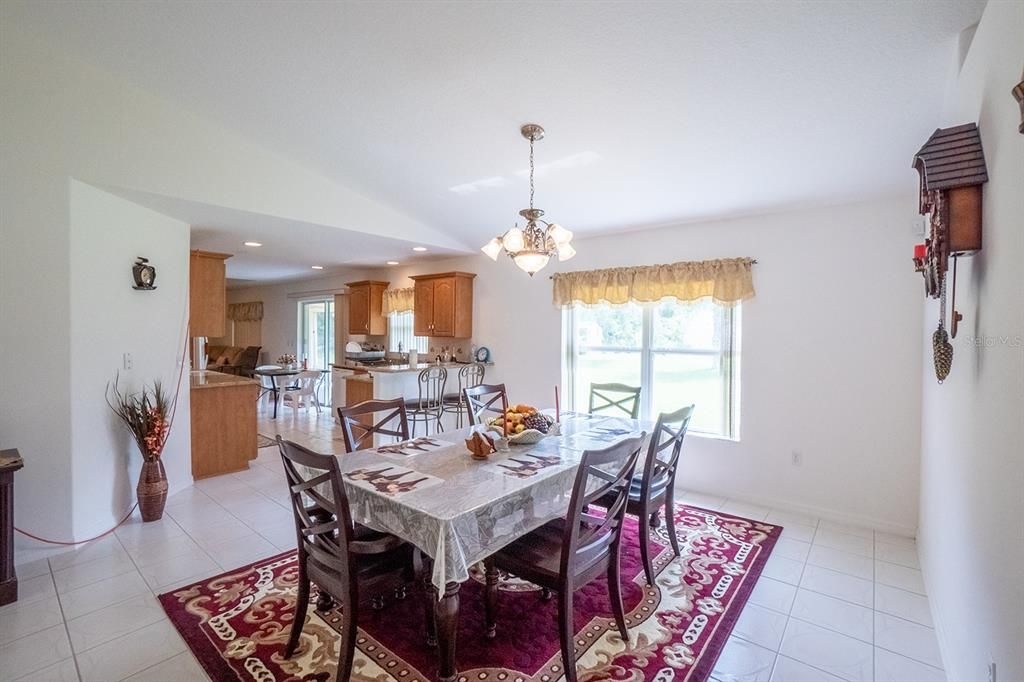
(393, 262)
(253, 244)
(318, 267)
(419, 248)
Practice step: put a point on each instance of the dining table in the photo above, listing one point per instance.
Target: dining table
(459, 510)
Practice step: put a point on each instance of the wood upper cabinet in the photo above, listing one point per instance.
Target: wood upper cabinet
(208, 304)
(423, 307)
(444, 305)
(365, 308)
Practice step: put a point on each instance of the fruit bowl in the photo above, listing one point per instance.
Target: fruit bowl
(523, 425)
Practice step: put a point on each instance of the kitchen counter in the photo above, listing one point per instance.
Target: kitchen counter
(223, 411)
(206, 379)
(396, 369)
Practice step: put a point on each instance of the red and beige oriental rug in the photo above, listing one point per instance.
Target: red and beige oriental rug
(237, 623)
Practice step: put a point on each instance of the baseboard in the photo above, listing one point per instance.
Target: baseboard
(833, 515)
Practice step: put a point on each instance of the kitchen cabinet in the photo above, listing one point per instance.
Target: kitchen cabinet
(365, 308)
(444, 305)
(208, 303)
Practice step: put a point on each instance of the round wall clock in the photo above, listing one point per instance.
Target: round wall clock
(144, 274)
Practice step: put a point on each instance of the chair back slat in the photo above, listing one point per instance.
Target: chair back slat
(323, 524)
(469, 376)
(668, 436)
(615, 398)
(431, 383)
(484, 399)
(394, 423)
(588, 538)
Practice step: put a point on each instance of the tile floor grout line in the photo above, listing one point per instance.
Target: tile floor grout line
(64, 620)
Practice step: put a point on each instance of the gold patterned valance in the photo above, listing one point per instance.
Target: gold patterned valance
(246, 312)
(727, 281)
(398, 300)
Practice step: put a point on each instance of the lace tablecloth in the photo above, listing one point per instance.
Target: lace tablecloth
(459, 510)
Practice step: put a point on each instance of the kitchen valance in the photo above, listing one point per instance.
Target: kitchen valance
(398, 300)
(246, 312)
(726, 281)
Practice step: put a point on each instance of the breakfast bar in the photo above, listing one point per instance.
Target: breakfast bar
(223, 422)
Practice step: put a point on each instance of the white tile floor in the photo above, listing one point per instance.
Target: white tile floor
(834, 603)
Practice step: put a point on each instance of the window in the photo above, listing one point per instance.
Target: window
(680, 353)
(400, 332)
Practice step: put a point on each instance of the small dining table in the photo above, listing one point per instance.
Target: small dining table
(430, 492)
(273, 374)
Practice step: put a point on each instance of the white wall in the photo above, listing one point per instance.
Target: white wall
(281, 307)
(108, 319)
(61, 120)
(972, 505)
(830, 354)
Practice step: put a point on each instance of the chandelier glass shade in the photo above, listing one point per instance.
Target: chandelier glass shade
(532, 246)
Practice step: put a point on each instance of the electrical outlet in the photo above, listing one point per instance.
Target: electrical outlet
(798, 458)
(992, 672)
(127, 360)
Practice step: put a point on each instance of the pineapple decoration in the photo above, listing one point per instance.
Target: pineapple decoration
(942, 349)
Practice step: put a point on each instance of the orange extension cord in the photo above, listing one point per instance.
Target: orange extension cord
(174, 411)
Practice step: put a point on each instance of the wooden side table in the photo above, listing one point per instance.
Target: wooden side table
(10, 461)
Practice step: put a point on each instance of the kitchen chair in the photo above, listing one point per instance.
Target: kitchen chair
(469, 376)
(359, 434)
(566, 554)
(303, 391)
(482, 399)
(427, 407)
(654, 487)
(606, 394)
(341, 559)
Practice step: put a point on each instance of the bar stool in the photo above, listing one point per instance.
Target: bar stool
(428, 406)
(469, 376)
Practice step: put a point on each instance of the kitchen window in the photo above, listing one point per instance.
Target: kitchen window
(400, 326)
(679, 353)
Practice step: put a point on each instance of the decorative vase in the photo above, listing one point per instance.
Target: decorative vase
(152, 490)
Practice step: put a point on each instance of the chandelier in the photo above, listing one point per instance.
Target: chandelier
(532, 246)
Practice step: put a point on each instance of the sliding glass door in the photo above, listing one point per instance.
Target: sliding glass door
(316, 339)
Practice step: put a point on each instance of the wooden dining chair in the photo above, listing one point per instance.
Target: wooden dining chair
(605, 397)
(566, 554)
(343, 560)
(654, 487)
(359, 434)
(485, 399)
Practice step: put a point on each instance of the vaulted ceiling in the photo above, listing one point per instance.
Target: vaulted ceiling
(655, 111)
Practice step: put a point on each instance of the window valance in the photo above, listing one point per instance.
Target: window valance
(246, 312)
(727, 281)
(398, 300)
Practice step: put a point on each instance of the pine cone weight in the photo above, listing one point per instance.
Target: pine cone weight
(943, 352)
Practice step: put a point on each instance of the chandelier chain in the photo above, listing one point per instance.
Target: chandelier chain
(531, 172)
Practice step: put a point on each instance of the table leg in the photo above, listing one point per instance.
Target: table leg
(446, 615)
(273, 382)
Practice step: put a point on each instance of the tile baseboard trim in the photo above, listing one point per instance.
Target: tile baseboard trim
(822, 513)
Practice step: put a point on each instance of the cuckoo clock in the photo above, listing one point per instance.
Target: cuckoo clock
(951, 166)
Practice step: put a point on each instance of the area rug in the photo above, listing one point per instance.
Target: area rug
(237, 623)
